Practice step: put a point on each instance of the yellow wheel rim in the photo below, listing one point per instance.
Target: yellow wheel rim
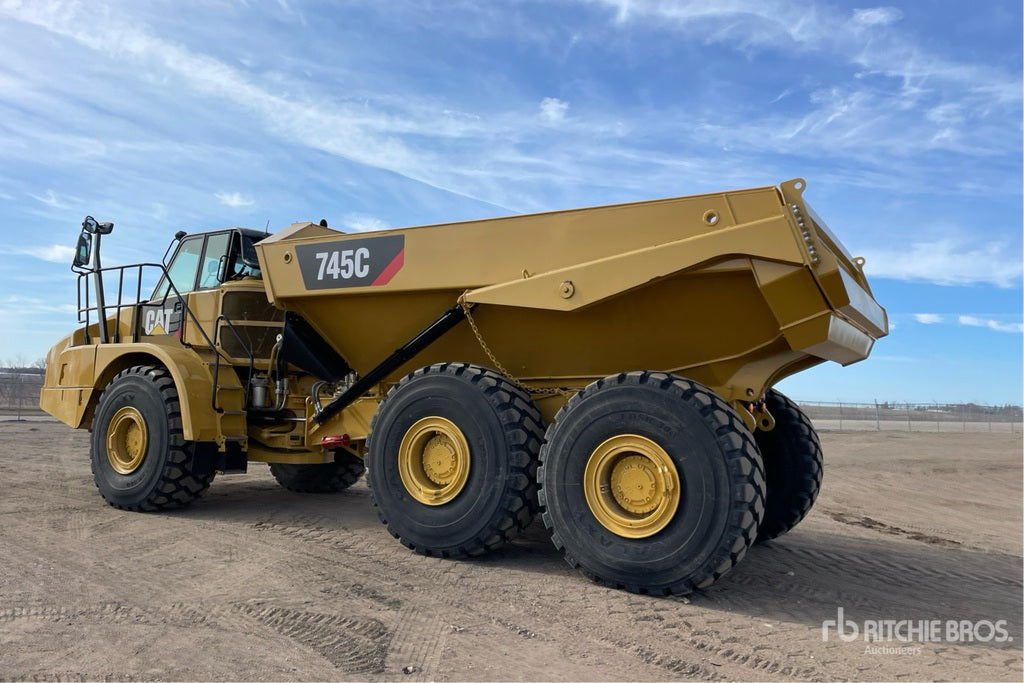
(433, 461)
(127, 440)
(632, 486)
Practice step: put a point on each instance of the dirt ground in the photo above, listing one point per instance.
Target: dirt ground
(256, 583)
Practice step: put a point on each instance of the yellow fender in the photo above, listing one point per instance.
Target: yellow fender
(87, 369)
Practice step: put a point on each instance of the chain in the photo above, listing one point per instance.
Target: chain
(496, 364)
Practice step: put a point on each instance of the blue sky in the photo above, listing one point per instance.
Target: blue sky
(905, 119)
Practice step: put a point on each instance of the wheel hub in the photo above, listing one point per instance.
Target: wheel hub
(440, 460)
(632, 486)
(127, 440)
(433, 461)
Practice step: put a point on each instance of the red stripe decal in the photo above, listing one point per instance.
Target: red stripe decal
(389, 272)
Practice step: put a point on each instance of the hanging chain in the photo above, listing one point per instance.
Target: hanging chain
(496, 364)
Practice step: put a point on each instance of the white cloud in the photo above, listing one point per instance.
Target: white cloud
(553, 110)
(949, 262)
(24, 304)
(988, 322)
(50, 199)
(55, 253)
(358, 222)
(234, 199)
(991, 323)
(906, 100)
(877, 16)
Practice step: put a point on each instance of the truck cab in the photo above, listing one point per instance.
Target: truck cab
(203, 261)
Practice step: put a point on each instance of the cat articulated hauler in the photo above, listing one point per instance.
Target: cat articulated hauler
(608, 368)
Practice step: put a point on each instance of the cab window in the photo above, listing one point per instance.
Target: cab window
(216, 247)
(183, 267)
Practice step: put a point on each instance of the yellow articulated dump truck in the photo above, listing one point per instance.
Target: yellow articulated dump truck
(610, 369)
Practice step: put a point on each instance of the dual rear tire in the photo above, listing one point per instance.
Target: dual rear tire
(452, 459)
(651, 483)
(793, 465)
(647, 481)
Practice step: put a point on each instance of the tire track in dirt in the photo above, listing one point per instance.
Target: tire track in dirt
(421, 626)
(874, 524)
(274, 585)
(354, 645)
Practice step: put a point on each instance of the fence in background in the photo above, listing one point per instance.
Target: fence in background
(19, 395)
(914, 417)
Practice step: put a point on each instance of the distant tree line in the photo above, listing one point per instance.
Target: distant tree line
(18, 366)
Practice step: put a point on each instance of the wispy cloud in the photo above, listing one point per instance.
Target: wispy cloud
(54, 253)
(234, 199)
(484, 151)
(991, 323)
(50, 199)
(877, 16)
(949, 262)
(995, 323)
(889, 105)
(22, 304)
(358, 222)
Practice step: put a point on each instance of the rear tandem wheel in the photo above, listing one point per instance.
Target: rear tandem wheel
(651, 483)
(452, 460)
(793, 466)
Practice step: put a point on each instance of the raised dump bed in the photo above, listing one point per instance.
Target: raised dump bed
(610, 368)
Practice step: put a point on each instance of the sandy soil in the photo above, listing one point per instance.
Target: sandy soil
(256, 583)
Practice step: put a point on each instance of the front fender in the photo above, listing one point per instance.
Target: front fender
(82, 372)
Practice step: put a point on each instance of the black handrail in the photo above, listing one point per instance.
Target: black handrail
(103, 311)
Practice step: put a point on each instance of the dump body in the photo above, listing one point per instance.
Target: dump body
(736, 290)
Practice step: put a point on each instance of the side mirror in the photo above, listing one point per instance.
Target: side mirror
(83, 250)
(222, 269)
(91, 226)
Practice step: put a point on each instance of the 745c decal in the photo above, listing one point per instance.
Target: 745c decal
(364, 262)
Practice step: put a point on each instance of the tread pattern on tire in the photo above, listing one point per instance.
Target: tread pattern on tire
(803, 442)
(331, 477)
(520, 416)
(743, 461)
(178, 485)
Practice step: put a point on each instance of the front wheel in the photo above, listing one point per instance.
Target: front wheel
(140, 459)
(651, 483)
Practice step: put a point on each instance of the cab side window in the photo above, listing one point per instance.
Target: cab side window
(183, 268)
(216, 247)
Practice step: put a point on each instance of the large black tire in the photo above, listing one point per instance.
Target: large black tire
(452, 460)
(651, 483)
(793, 465)
(329, 477)
(140, 459)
